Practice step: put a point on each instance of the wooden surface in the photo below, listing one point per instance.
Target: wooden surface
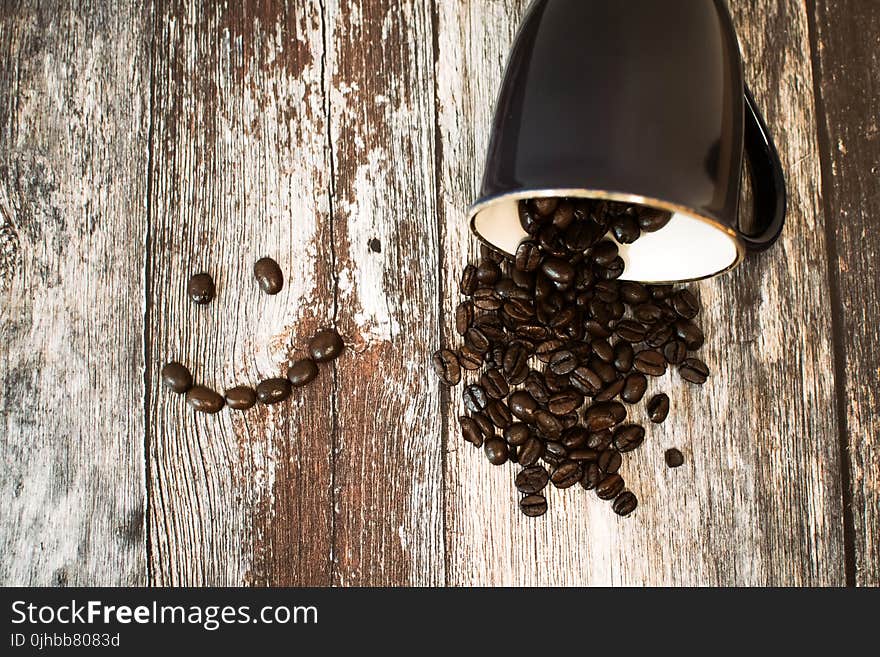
(345, 139)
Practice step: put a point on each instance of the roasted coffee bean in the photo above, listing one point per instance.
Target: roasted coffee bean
(563, 217)
(547, 423)
(607, 372)
(650, 362)
(327, 345)
(563, 362)
(604, 253)
(658, 336)
(536, 386)
(583, 455)
(628, 437)
(625, 503)
(268, 275)
(531, 452)
(506, 289)
(530, 221)
(569, 420)
(607, 291)
(575, 438)
(610, 461)
(556, 382)
(488, 272)
(564, 403)
(468, 283)
(485, 424)
(471, 431)
(304, 371)
(491, 253)
(550, 242)
(446, 365)
(531, 480)
(273, 391)
(623, 357)
(630, 330)
(690, 334)
(633, 293)
(475, 398)
(491, 327)
(675, 351)
(513, 454)
(204, 400)
(494, 384)
(567, 474)
(674, 458)
(524, 280)
(648, 313)
(499, 413)
(519, 310)
(563, 318)
(610, 487)
(591, 476)
(558, 270)
(176, 377)
(200, 289)
(596, 330)
(241, 398)
(496, 450)
(485, 299)
(469, 359)
(517, 434)
(694, 370)
(618, 310)
(554, 449)
(604, 415)
(533, 506)
(477, 340)
(685, 304)
(613, 271)
(600, 440)
(528, 257)
(516, 366)
(586, 380)
(600, 311)
(523, 406)
(626, 229)
(603, 350)
(610, 391)
(533, 332)
(660, 292)
(651, 220)
(634, 388)
(545, 206)
(464, 317)
(547, 349)
(658, 408)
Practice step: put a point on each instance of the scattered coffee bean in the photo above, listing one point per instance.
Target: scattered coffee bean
(523, 406)
(464, 317)
(610, 487)
(651, 220)
(628, 437)
(268, 275)
(531, 452)
(273, 391)
(634, 388)
(200, 289)
(592, 476)
(650, 362)
(610, 391)
(446, 365)
(304, 371)
(658, 408)
(625, 504)
(499, 413)
(563, 403)
(623, 357)
(468, 283)
(517, 434)
(497, 451)
(241, 398)
(566, 474)
(674, 458)
(485, 424)
(176, 377)
(531, 480)
(610, 461)
(694, 370)
(685, 304)
(604, 415)
(675, 351)
(563, 362)
(690, 334)
(528, 257)
(470, 431)
(494, 384)
(327, 345)
(533, 506)
(475, 398)
(204, 400)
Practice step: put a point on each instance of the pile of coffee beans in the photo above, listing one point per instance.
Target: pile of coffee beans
(558, 347)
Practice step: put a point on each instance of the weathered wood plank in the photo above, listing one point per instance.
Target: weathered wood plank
(388, 481)
(759, 501)
(240, 170)
(847, 40)
(73, 159)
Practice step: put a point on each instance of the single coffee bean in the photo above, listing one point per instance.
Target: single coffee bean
(517, 434)
(554, 449)
(469, 358)
(478, 340)
(604, 415)
(273, 391)
(556, 382)
(628, 437)
(558, 270)
(494, 384)
(650, 362)
(607, 291)
(690, 334)
(536, 386)
(470, 431)
(304, 371)
(567, 474)
(506, 289)
(485, 299)
(600, 440)
(610, 487)
(496, 450)
(204, 400)
(674, 458)
(575, 438)
(625, 503)
(660, 292)
(550, 242)
(569, 420)
(592, 475)
(586, 380)
(446, 365)
(623, 357)
(630, 330)
(491, 253)
(475, 398)
(648, 313)
(626, 229)
(516, 358)
(564, 215)
(658, 336)
(546, 350)
(613, 271)
(523, 406)
(530, 221)
(499, 413)
(634, 389)
(548, 424)
(464, 317)
(658, 408)
(605, 371)
(176, 377)
(545, 206)
(633, 293)
(241, 398)
(596, 330)
(531, 480)
(468, 283)
(488, 272)
(685, 304)
(694, 370)
(603, 350)
(484, 423)
(610, 461)
(563, 403)
(524, 280)
(327, 345)
(533, 506)
(201, 289)
(519, 310)
(651, 220)
(268, 275)
(563, 362)
(610, 391)
(604, 253)
(528, 257)
(531, 452)
(675, 351)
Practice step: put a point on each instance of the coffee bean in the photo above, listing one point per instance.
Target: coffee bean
(531, 480)
(600, 440)
(485, 299)
(545, 206)
(464, 317)
(528, 257)
(604, 415)
(327, 345)
(650, 362)
(690, 334)
(488, 272)
(634, 389)
(563, 403)
(273, 391)
(658, 336)
(633, 293)
(610, 461)
(610, 487)
(514, 454)
(477, 340)
(468, 283)
(586, 380)
(241, 398)
(628, 437)
(530, 221)
(491, 253)
(648, 313)
(603, 350)
(484, 423)
(685, 304)
(674, 458)
(200, 289)
(623, 357)
(304, 371)
(575, 438)
(494, 384)
(469, 358)
(268, 275)
(446, 365)
(610, 391)
(675, 351)
(596, 330)
(613, 271)
(630, 330)
(660, 292)
(531, 452)
(563, 362)
(499, 413)
(547, 349)
(651, 220)
(475, 398)
(626, 229)
(605, 371)
(519, 310)
(604, 253)
(523, 406)
(583, 455)
(536, 386)
(548, 424)
(517, 434)
(694, 370)
(625, 504)
(591, 476)
(470, 431)
(558, 270)
(658, 408)
(533, 506)
(204, 400)
(524, 280)
(569, 420)
(176, 377)
(564, 215)
(556, 382)
(550, 242)
(496, 450)
(567, 474)
(555, 451)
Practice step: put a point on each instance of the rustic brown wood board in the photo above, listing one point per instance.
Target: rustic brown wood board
(143, 143)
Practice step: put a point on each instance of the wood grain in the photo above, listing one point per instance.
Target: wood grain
(74, 84)
(240, 170)
(847, 42)
(759, 501)
(388, 478)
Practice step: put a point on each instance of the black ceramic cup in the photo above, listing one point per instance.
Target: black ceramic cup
(638, 101)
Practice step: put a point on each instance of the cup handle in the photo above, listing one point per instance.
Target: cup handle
(768, 180)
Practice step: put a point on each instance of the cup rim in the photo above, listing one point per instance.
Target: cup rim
(621, 197)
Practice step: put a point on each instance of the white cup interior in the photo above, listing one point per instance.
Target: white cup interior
(687, 248)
